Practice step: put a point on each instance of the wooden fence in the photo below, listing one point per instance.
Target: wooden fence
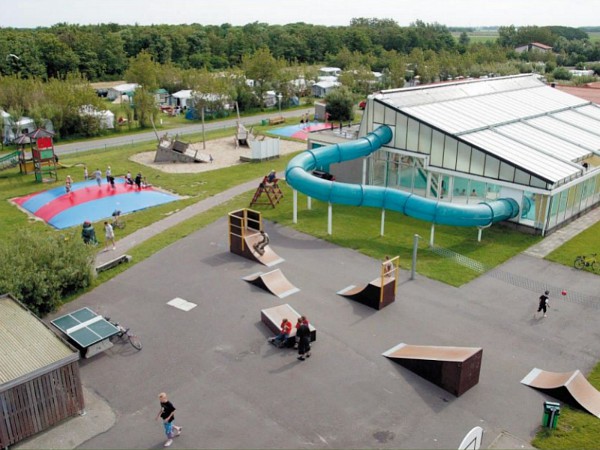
(39, 403)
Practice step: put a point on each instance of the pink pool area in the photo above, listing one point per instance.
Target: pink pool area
(88, 201)
(301, 130)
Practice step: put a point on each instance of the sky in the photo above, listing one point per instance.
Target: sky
(41, 13)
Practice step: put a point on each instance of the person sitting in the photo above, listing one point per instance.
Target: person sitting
(128, 179)
(272, 176)
(88, 234)
(388, 267)
(281, 339)
(260, 245)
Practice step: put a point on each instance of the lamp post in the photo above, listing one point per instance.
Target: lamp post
(279, 97)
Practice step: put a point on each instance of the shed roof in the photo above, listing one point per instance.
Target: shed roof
(27, 345)
(518, 119)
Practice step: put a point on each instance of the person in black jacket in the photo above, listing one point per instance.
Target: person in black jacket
(303, 334)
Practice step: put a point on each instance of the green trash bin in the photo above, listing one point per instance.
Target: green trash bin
(264, 122)
(551, 413)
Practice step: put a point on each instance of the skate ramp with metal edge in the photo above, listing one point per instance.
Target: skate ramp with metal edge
(375, 294)
(269, 258)
(272, 318)
(570, 387)
(274, 282)
(454, 369)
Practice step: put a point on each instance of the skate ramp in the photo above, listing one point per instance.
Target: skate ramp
(454, 369)
(269, 258)
(371, 294)
(274, 282)
(570, 387)
(272, 318)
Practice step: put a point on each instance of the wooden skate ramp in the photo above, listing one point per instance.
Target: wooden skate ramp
(570, 387)
(269, 258)
(274, 282)
(371, 294)
(455, 369)
(272, 318)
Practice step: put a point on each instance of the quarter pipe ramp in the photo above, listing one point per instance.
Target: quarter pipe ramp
(570, 387)
(376, 294)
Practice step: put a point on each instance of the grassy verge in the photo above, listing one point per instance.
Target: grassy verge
(576, 428)
(584, 243)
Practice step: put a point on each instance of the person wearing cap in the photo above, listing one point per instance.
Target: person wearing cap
(272, 176)
(543, 305)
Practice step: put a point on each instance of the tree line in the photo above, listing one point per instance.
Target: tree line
(47, 71)
(102, 52)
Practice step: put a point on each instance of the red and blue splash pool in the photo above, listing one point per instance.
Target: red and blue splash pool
(301, 130)
(87, 201)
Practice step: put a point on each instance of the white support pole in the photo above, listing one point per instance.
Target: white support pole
(364, 171)
(329, 218)
(432, 235)
(428, 186)
(479, 232)
(295, 206)
(451, 188)
(382, 222)
(309, 203)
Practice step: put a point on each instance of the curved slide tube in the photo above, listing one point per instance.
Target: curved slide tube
(298, 175)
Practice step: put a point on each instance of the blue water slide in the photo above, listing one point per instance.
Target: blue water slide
(298, 175)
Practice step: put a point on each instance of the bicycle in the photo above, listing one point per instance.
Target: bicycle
(125, 333)
(118, 222)
(586, 261)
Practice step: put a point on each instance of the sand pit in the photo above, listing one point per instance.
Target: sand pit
(223, 152)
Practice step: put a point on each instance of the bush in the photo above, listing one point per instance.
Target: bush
(560, 73)
(40, 269)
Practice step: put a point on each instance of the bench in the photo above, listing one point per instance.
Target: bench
(272, 318)
(113, 263)
(276, 120)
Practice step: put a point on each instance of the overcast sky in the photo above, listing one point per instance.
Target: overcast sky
(34, 13)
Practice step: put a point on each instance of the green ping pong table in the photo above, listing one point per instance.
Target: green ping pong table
(89, 331)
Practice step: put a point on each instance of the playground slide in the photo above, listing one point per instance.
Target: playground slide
(298, 175)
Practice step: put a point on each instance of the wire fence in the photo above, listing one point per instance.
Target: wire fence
(517, 280)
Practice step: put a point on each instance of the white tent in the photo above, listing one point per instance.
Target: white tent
(106, 117)
(182, 97)
(116, 92)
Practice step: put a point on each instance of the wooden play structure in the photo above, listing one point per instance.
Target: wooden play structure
(172, 150)
(41, 158)
(245, 226)
(267, 193)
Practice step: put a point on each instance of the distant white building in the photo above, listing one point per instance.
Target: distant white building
(534, 46)
(116, 92)
(182, 98)
(581, 73)
(330, 72)
(322, 88)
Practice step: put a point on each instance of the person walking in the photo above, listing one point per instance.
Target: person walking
(109, 235)
(86, 175)
(138, 180)
(303, 334)
(108, 174)
(167, 414)
(98, 177)
(68, 183)
(543, 305)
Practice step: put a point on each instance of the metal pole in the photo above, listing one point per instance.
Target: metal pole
(382, 222)
(295, 206)
(329, 218)
(414, 256)
(309, 203)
